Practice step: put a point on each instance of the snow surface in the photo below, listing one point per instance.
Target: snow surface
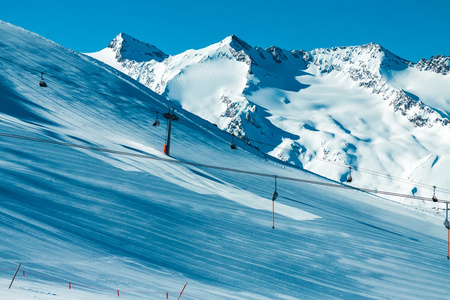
(108, 222)
(324, 110)
(428, 86)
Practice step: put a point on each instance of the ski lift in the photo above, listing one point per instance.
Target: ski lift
(232, 145)
(156, 122)
(349, 177)
(435, 199)
(274, 197)
(42, 83)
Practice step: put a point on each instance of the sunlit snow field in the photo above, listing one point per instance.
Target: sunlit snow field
(310, 108)
(108, 222)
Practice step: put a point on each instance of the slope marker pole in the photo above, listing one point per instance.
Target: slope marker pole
(182, 291)
(15, 275)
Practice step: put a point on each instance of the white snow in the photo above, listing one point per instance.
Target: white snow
(108, 56)
(430, 87)
(338, 107)
(106, 222)
(200, 88)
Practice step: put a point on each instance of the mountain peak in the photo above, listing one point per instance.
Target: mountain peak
(388, 55)
(373, 45)
(127, 47)
(236, 43)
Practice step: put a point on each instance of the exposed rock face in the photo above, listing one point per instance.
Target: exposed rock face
(439, 64)
(128, 48)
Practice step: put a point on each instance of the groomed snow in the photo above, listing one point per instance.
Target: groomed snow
(106, 222)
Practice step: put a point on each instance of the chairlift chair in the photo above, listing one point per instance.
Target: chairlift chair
(446, 222)
(274, 196)
(232, 145)
(42, 83)
(275, 193)
(435, 199)
(156, 122)
(349, 177)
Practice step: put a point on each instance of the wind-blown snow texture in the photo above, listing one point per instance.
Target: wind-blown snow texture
(133, 224)
(361, 107)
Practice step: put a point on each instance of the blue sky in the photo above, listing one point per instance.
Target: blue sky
(411, 29)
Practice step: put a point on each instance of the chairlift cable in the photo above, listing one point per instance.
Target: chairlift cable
(220, 168)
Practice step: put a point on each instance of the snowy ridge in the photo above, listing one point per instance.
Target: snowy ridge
(128, 48)
(125, 52)
(366, 65)
(114, 222)
(438, 64)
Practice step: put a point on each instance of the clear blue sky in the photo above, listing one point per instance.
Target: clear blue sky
(411, 29)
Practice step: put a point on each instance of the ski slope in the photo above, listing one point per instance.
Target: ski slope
(144, 225)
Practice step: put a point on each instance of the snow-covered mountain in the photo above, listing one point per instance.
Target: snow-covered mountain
(324, 110)
(125, 52)
(93, 209)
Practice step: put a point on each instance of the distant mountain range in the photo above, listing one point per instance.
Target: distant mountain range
(324, 110)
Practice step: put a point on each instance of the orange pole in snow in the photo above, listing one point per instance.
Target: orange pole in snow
(182, 291)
